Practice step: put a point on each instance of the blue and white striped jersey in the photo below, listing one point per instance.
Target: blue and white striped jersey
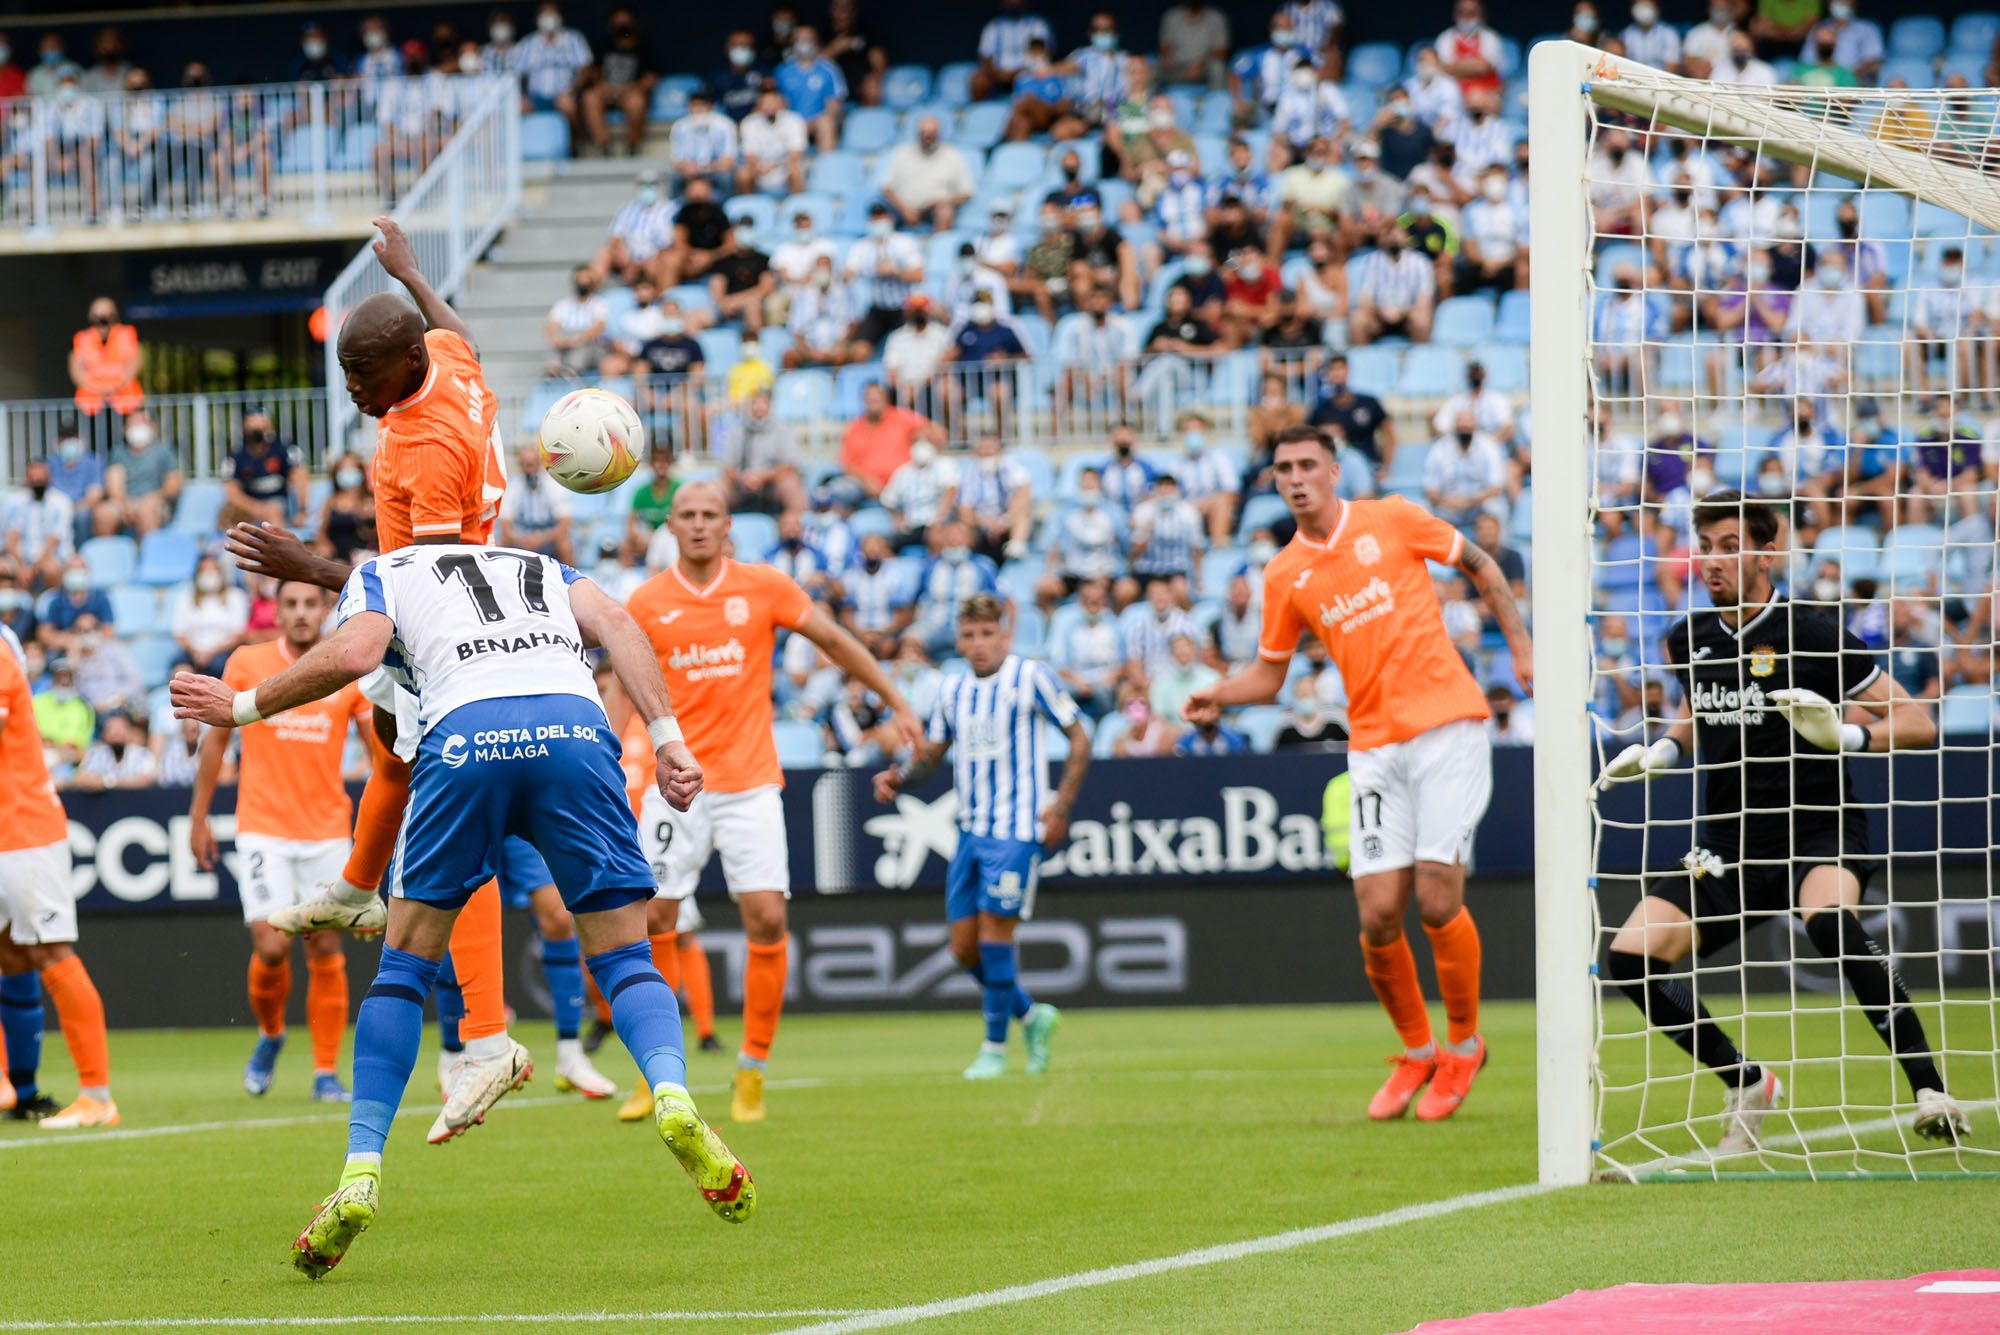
(1100, 81)
(550, 62)
(1314, 21)
(864, 262)
(1305, 114)
(703, 140)
(1000, 758)
(1396, 284)
(874, 597)
(1004, 40)
(1181, 211)
(646, 229)
(1173, 530)
(987, 491)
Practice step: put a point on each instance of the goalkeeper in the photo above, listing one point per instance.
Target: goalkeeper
(1779, 830)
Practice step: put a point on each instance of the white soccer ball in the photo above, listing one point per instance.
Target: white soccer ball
(591, 440)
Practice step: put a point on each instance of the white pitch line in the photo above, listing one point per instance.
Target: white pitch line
(453, 1319)
(1797, 1140)
(51, 1140)
(1118, 1274)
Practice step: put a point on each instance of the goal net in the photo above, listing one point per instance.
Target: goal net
(1793, 293)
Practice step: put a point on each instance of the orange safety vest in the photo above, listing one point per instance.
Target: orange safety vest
(101, 360)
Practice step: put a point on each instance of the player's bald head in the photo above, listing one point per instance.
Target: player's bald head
(701, 495)
(699, 521)
(382, 353)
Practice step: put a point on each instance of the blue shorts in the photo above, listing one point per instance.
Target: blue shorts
(522, 872)
(988, 875)
(542, 767)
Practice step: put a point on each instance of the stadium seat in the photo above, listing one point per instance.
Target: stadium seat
(1214, 116)
(1261, 724)
(1219, 565)
(1109, 729)
(155, 656)
(872, 519)
(135, 611)
(1374, 368)
(981, 124)
(760, 211)
(848, 383)
(868, 130)
(823, 209)
(720, 348)
(1260, 511)
(1512, 326)
(1853, 549)
(1031, 628)
(1431, 372)
(1041, 473)
(1967, 710)
(199, 506)
(1506, 367)
(1972, 34)
(670, 96)
(799, 744)
(755, 535)
(1017, 582)
(1406, 469)
(803, 395)
(840, 173)
(1013, 166)
(1378, 63)
(1463, 322)
(954, 83)
(1916, 37)
(166, 556)
(1914, 552)
(544, 137)
(903, 86)
(111, 560)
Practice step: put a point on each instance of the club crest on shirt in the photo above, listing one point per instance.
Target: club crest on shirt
(736, 610)
(1367, 550)
(1763, 661)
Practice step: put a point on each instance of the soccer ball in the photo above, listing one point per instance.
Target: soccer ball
(591, 440)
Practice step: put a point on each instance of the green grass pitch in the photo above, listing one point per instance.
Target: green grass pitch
(888, 1181)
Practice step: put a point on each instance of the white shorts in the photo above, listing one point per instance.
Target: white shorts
(691, 920)
(747, 829)
(273, 873)
(37, 901)
(380, 689)
(1420, 800)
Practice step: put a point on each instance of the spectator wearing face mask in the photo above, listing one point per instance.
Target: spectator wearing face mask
(1003, 48)
(551, 61)
(1435, 97)
(380, 60)
(1469, 51)
(623, 79)
(1250, 306)
(120, 757)
(1127, 478)
(1085, 547)
(996, 502)
(1404, 140)
(209, 618)
(1395, 293)
(1144, 156)
(535, 513)
(1313, 197)
(346, 523)
(268, 480)
(104, 361)
(927, 180)
(703, 143)
(1043, 276)
(502, 50)
(40, 527)
(970, 282)
(1512, 723)
(1492, 412)
(142, 483)
(76, 472)
(813, 87)
(1651, 42)
(1941, 314)
(1857, 42)
(1194, 44)
(823, 318)
(640, 232)
(877, 603)
(1584, 25)
(317, 61)
(1168, 536)
(1309, 108)
(884, 267)
(741, 77)
(912, 354)
(1208, 477)
(17, 602)
(1104, 261)
(1742, 67)
(741, 281)
(1818, 65)
(1094, 346)
(1085, 650)
(1465, 474)
(880, 441)
(773, 143)
(576, 327)
(760, 460)
(1182, 332)
(1101, 71)
(1258, 76)
(52, 66)
(60, 610)
(1243, 181)
(1042, 101)
(920, 494)
(954, 574)
(982, 346)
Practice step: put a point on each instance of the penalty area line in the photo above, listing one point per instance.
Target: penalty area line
(408, 1319)
(1163, 1265)
(53, 1141)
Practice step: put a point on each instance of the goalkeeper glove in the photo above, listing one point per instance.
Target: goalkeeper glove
(1639, 762)
(1817, 719)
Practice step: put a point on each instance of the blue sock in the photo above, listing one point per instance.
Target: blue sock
(21, 1018)
(1004, 999)
(644, 1011)
(451, 1006)
(562, 966)
(386, 1035)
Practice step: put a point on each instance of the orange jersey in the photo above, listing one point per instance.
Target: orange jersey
(438, 466)
(639, 761)
(1367, 594)
(31, 815)
(289, 784)
(715, 648)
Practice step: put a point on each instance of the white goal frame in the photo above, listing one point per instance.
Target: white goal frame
(1564, 80)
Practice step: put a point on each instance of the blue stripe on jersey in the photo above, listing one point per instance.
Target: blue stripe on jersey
(1000, 756)
(570, 574)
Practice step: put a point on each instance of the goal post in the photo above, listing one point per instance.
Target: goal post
(1670, 356)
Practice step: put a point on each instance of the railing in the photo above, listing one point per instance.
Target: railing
(466, 194)
(307, 151)
(204, 429)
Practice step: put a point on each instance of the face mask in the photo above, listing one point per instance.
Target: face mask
(1090, 500)
(982, 313)
(1468, 26)
(1124, 448)
(139, 436)
(741, 57)
(347, 479)
(745, 236)
(782, 27)
(1587, 23)
(1263, 551)
(67, 93)
(1197, 265)
(922, 453)
(1464, 440)
(1393, 246)
(12, 600)
(1840, 10)
(209, 581)
(38, 489)
(1830, 278)
(1088, 221)
(920, 322)
(1195, 441)
(822, 280)
(1771, 484)
(470, 64)
(649, 194)
(1364, 171)
(502, 33)
(89, 640)
(1760, 271)
(1160, 118)
(1742, 58)
(804, 51)
(75, 581)
(1826, 590)
(1494, 188)
(70, 450)
(1614, 647)
(990, 465)
(1721, 16)
(1825, 53)
(548, 22)
(1950, 274)
(52, 57)
(880, 227)
(1104, 41)
(1645, 15)
(1283, 37)
(956, 555)
(1303, 77)
(374, 39)
(1420, 207)
(1180, 176)
(673, 326)
(1252, 271)
(314, 48)
(872, 564)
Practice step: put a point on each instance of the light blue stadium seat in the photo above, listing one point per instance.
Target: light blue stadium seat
(904, 86)
(840, 173)
(1972, 34)
(868, 130)
(1406, 470)
(199, 506)
(772, 342)
(301, 147)
(1463, 322)
(542, 398)
(1967, 711)
(760, 211)
(357, 148)
(720, 348)
(1261, 724)
(1109, 729)
(1916, 37)
(1260, 511)
(1430, 371)
(1506, 367)
(1017, 582)
(135, 611)
(1512, 326)
(692, 297)
(823, 209)
(1915, 552)
(1376, 63)
(1041, 473)
(1852, 548)
(848, 382)
(1219, 565)
(798, 742)
(756, 536)
(155, 656)
(872, 519)
(111, 560)
(954, 83)
(803, 395)
(1185, 100)
(544, 137)
(1014, 166)
(1374, 368)
(1234, 379)
(166, 556)
(1214, 116)
(981, 124)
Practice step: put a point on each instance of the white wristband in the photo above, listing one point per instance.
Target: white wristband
(663, 731)
(1853, 737)
(243, 710)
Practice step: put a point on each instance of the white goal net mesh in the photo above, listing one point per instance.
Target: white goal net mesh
(1795, 293)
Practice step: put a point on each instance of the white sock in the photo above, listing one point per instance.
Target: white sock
(568, 1050)
(375, 1159)
(1422, 1054)
(1466, 1048)
(349, 893)
(102, 1093)
(493, 1045)
(668, 1087)
(990, 1046)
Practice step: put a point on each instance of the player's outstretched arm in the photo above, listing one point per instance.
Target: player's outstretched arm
(398, 259)
(1055, 818)
(1906, 724)
(1255, 685)
(1492, 585)
(604, 622)
(922, 766)
(273, 550)
(851, 657)
(1641, 761)
(207, 771)
(349, 654)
